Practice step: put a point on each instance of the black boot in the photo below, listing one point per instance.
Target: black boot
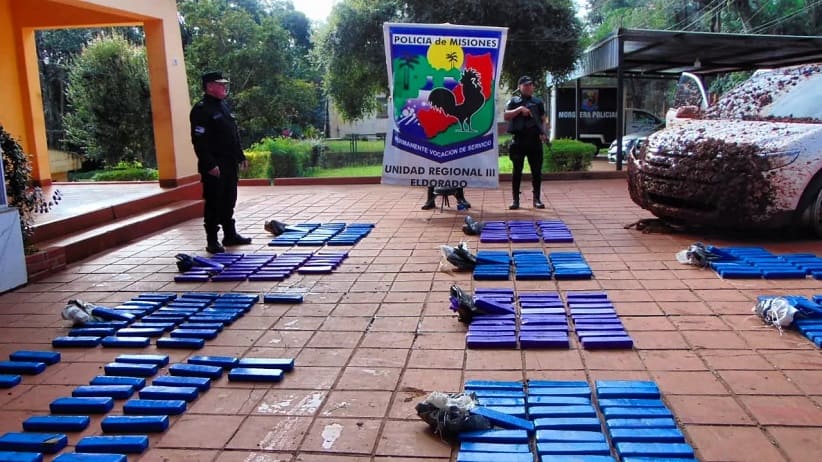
(212, 242)
(460, 195)
(429, 202)
(515, 204)
(230, 236)
(537, 202)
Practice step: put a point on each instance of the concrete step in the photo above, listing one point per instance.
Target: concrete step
(74, 246)
(86, 206)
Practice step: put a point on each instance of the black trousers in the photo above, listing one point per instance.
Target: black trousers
(220, 194)
(520, 150)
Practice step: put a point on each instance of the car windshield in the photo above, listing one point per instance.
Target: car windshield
(801, 101)
(790, 94)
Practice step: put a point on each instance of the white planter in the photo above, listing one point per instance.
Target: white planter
(12, 257)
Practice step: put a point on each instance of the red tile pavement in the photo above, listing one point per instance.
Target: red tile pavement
(376, 336)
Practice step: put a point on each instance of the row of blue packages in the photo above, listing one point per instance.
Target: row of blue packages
(264, 267)
(522, 231)
(530, 264)
(496, 329)
(564, 422)
(189, 320)
(25, 362)
(537, 327)
(167, 395)
(492, 265)
(596, 321)
(542, 321)
(502, 404)
(639, 423)
(319, 234)
(758, 262)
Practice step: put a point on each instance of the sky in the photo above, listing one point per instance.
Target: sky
(318, 10)
(315, 10)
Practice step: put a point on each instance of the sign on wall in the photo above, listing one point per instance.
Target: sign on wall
(443, 82)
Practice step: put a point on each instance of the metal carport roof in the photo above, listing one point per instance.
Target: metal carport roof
(643, 53)
(668, 52)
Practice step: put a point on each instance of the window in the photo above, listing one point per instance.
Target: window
(382, 107)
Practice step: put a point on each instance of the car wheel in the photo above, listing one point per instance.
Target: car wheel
(814, 218)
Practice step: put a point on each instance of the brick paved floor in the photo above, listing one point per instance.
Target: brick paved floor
(373, 338)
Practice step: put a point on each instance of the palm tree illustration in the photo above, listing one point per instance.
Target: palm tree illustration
(452, 58)
(406, 64)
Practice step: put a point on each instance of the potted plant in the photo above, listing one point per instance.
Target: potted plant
(20, 192)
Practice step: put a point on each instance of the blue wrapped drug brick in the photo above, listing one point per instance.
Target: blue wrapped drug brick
(134, 423)
(154, 407)
(56, 423)
(503, 420)
(75, 406)
(200, 383)
(122, 444)
(46, 357)
(14, 456)
(47, 443)
(85, 457)
(226, 362)
(243, 374)
(135, 382)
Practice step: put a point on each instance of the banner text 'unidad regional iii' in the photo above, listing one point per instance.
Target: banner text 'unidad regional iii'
(443, 80)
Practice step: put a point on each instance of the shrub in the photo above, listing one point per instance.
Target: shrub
(289, 157)
(126, 174)
(108, 92)
(21, 194)
(126, 170)
(567, 155)
(259, 165)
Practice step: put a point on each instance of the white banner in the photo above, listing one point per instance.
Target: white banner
(444, 80)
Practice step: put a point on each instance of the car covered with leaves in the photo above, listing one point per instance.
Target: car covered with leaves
(752, 160)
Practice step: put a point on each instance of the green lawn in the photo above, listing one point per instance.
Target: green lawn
(363, 170)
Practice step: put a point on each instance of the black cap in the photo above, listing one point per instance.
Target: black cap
(525, 79)
(215, 76)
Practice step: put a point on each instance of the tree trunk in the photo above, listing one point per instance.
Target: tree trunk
(745, 12)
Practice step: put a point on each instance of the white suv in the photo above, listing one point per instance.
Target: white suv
(754, 159)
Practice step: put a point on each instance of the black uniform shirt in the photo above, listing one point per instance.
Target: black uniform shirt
(523, 125)
(214, 135)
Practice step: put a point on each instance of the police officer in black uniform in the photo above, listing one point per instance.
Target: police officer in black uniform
(219, 158)
(526, 121)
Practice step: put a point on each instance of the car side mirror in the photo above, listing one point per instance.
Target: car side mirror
(687, 112)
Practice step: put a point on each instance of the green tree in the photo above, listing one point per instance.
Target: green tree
(407, 63)
(55, 50)
(543, 35)
(779, 17)
(350, 50)
(265, 61)
(108, 94)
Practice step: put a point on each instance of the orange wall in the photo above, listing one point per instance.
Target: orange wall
(22, 113)
(11, 111)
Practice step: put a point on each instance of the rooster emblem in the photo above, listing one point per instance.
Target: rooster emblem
(473, 99)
